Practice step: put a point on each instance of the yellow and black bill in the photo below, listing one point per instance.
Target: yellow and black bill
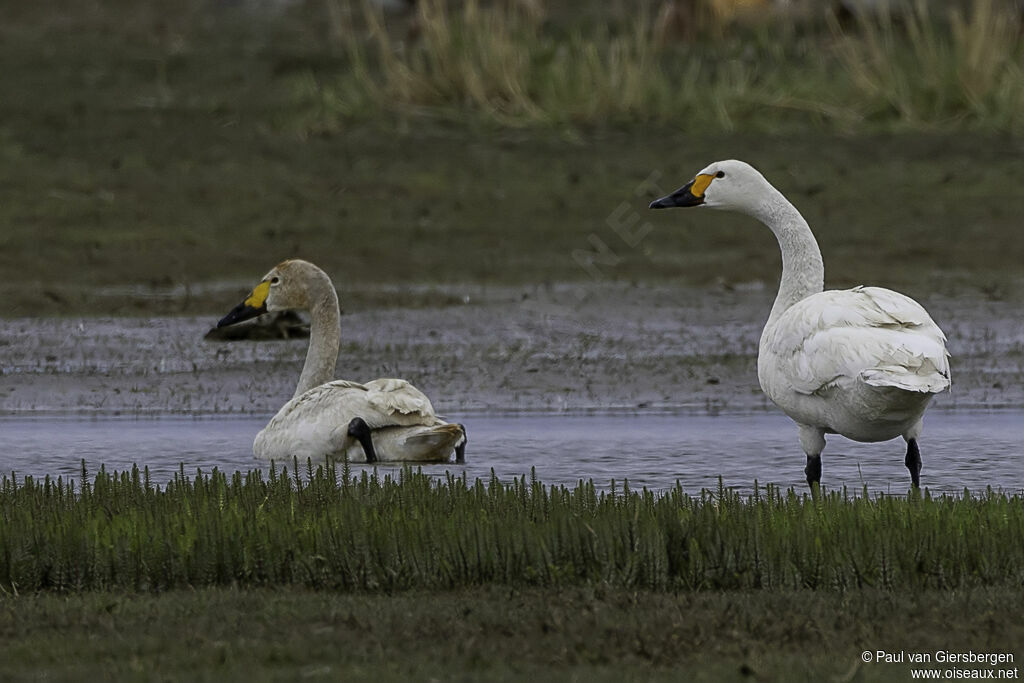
(255, 304)
(690, 194)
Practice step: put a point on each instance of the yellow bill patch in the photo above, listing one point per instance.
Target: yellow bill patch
(700, 184)
(258, 296)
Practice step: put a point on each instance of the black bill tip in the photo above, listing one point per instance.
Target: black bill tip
(680, 198)
(240, 313)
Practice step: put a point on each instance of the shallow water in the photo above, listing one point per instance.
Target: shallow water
(960, 449)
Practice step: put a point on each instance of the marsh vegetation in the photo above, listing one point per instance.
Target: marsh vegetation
(325, 529)
(326, 574)
(938, 66)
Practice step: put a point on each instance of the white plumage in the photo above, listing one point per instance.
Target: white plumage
(326, 418)
(868, 334)
(862, 362)
(845, 361)
(315, 424)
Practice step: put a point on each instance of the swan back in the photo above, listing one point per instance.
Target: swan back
(315, 423)
(867, 334)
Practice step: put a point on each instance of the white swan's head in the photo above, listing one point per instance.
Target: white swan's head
(291, 285)
(733, 185)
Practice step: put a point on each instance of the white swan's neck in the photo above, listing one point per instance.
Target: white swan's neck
(324, 339)
(803, 272)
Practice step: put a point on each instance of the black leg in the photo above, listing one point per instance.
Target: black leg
(360, 431)
(813, 470)
(460, 450)
(913, 462)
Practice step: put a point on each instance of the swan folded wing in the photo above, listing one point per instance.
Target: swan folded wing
(381, 403)
(315, 424)
(339, 393)
(398, 397)
(867, 333)
(864, 307)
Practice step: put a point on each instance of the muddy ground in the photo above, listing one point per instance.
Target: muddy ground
(566, 347)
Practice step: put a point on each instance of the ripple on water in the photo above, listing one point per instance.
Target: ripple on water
(960, 448)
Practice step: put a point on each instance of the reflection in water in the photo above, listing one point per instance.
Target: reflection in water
(960, 449)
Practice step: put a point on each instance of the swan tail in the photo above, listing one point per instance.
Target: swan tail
(925, 379)
(437, 438)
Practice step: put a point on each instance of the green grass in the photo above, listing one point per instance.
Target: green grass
(271, 577)
(118, 531)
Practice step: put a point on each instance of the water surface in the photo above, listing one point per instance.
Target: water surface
(960, 449)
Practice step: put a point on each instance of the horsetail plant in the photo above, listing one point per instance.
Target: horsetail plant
(334, 529)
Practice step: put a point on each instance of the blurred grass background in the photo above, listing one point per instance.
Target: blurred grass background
(155, 147)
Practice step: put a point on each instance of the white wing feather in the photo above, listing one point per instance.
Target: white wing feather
(316, 423)
(871, 334)
(392, 396)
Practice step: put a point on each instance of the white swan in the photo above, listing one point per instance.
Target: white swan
(386, 419)
(862, 362)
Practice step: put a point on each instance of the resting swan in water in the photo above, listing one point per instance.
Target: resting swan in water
(862, 362)
(386, 419)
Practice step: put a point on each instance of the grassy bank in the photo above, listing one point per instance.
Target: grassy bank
(412, 532)
(494, 633)
(263, 578)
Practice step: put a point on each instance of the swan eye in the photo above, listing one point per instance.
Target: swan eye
(274, 280)
(720, 174)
